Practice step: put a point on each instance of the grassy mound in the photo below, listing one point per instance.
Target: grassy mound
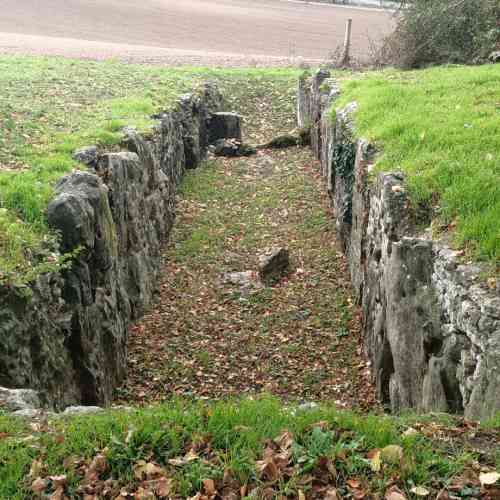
(441, 126)
(245, 449)
(51, 106)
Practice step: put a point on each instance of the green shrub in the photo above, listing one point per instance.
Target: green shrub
(436, 32)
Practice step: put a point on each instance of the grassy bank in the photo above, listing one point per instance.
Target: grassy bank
(245, 449)
(442, 127)
(51, 106)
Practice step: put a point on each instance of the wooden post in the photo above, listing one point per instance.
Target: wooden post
(347, 43)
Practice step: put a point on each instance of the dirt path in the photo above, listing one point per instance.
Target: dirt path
(215, 32)
(207, 337)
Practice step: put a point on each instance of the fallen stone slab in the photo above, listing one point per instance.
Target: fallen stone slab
(303, 138)
(273, 263)
(232, 148)
(82, 410)
(247, 281)
(240, 278)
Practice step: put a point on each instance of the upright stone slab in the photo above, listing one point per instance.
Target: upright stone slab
(304, 116)
(225, 126)
(318, 95)
(360, 211)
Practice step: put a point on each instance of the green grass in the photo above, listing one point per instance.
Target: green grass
(229, 439)
(51, 106)
(441, 126)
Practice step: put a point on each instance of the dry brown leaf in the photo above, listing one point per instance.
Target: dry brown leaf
(268, 494)
(332, 494)
(58, 494)
(209, 486)
(162, 487)
(443, 495)
(147, 470)
(58, 481)
(144, 494)
(39, 485)
(98, 466)
(268, 470)
(69, 462)
(285, 441)
(394, 493)
(375, 461)
(301, 495)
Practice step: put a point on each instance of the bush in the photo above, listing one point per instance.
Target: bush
(443, 31)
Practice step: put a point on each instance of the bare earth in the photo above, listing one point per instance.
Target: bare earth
(214, 32)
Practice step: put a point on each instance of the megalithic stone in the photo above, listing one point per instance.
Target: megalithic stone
(225, 126)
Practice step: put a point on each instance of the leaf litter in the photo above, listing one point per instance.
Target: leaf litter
(204, 338)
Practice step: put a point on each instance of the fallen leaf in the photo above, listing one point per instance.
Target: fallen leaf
(58, 494)
(420, 491)
(209, 486)
(332, 494)
(268, 470)
(58, 481)
(98, 466)
(144, 494)
(284, 441)
(147, 470)
(394, 493)
(162, 487)
(39, 485)
(375, 461)
(489, 478)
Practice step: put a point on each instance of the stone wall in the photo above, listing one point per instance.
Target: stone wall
(66, 335)
(431, 327)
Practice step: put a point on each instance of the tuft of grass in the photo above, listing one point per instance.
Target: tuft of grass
(441, 126)
(237, 432)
